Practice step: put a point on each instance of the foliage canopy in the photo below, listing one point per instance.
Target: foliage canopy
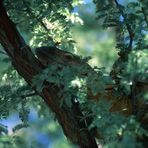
(50, 23)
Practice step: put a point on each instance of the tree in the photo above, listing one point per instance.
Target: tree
(83, 112)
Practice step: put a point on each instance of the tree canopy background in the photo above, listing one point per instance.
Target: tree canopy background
(114, 34)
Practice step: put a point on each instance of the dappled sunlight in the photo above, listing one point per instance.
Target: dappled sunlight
(73, 74)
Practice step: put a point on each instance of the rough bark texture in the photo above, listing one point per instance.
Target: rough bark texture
(28, 66)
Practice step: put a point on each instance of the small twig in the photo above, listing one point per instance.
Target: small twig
(29, 95)
(129, 29)
(1, 52)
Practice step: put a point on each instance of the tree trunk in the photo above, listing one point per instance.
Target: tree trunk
(28, 66)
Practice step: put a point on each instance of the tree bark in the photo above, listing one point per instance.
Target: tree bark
(28, 66)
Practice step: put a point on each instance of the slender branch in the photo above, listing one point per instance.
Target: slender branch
(131, 36)
(133, 97)
(145, 16)
(129, 29)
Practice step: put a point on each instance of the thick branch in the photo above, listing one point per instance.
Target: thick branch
(28, 66)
